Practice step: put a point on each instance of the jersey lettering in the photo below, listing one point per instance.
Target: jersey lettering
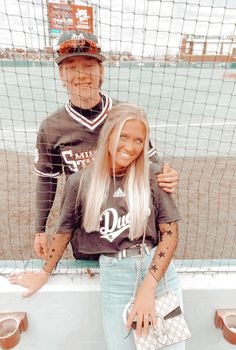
(113, 224)
(85, 155)
(76, 161)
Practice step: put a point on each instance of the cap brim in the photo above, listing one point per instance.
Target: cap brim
(100, 58)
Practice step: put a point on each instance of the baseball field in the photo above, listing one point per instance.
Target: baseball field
(206, 197)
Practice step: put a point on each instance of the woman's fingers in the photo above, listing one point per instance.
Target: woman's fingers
(142, 322)
(31, 280)
(131, 318)
(146, 323)
(139, 325)
(28, 293)
(17, 278)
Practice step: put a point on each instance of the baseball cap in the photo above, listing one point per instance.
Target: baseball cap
(77, 43)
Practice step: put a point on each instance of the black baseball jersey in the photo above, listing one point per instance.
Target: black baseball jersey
(114, 221)
(66, 142)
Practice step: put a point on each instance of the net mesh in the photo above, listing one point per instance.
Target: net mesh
(175, 58)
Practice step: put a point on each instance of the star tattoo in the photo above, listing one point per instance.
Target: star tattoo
(154, 268)
(161, 254)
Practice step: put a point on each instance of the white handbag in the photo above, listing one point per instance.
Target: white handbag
(171, 325)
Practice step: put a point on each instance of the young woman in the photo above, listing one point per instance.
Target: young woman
(106, 209)
(67, 139)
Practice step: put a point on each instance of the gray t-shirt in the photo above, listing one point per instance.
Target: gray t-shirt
(114, 224)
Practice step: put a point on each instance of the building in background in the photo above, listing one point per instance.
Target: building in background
(200, 49)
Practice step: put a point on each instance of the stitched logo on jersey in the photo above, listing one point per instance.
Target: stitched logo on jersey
(113, 224)
(76, 161)
(119, 193)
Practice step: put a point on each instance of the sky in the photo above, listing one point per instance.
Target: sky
(142, 27)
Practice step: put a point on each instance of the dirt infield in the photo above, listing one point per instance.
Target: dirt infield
(206, 198)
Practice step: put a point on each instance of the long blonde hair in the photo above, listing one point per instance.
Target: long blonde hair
(96, 178)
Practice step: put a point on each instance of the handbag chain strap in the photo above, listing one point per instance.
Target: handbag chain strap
(139, 267)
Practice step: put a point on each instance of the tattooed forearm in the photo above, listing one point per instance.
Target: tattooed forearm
(56, 250)
(153, 270)
(165, 250)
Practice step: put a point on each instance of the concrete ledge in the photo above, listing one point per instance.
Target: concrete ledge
(66, 312)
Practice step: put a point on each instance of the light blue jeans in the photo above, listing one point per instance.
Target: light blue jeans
(117, 286)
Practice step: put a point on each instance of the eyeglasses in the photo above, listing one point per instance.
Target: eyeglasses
(76, 46)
